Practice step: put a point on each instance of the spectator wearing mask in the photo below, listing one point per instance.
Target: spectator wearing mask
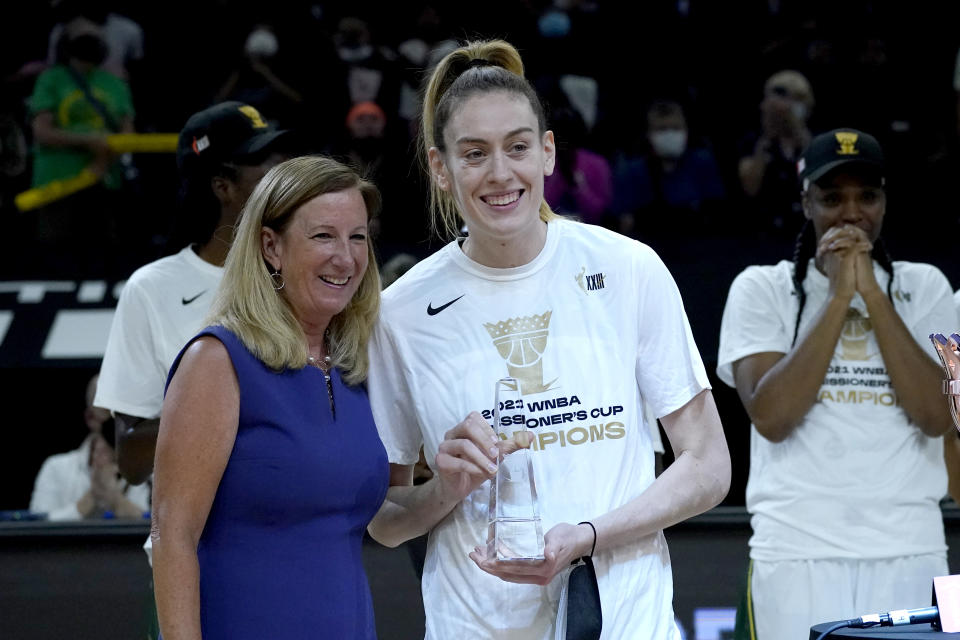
(372, 71)
(84, 483)
(366, 127)
(767, 167)
(74, 107)
(367, 147)
(671, 177)
(425, 47)
(257, 78)
(122, 36)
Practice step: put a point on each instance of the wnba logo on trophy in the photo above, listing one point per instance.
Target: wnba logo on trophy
(855, 337)
(521, 342)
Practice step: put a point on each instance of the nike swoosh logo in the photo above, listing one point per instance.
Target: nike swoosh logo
(187, 301)
(432, 311)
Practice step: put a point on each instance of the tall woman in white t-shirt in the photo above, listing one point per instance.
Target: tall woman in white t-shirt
(488, 151)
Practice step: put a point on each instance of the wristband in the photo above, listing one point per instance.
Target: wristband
(593, 547)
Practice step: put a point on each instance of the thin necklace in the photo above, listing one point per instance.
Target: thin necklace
(324, 367)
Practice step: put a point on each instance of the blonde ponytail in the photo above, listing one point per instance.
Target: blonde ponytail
(477, 67)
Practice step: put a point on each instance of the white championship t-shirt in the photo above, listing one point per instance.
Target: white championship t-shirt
(593, 322)
(855, 479)
(161, 307)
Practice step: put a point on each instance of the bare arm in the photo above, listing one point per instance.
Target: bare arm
(107, 491)
(279, 85)
(698, 479)
(198, 428)
(915, 376)
(228, 86)
(46, 132)
(778, 390)
(47, 496)
(409, 510)
(465, 459)
(136, 445)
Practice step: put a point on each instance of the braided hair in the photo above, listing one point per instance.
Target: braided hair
(806, 248)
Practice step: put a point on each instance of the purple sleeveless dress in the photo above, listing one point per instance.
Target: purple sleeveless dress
(280, 555)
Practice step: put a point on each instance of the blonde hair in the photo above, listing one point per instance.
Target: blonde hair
(261, 317)
(483, 66)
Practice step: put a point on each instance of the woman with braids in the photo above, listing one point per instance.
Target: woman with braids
(591, 325)
(831, 359)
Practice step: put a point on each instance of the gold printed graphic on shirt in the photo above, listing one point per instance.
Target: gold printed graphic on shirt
(855, 337)
(848, 143)
(582, 279)
(521, 342)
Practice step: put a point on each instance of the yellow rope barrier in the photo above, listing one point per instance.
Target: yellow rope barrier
(143, 142)
(56, 190)
(119, 143)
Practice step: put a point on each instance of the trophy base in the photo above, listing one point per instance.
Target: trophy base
(515, 540)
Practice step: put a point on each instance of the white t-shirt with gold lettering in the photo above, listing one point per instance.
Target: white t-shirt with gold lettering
(855, 479)
(591, 324)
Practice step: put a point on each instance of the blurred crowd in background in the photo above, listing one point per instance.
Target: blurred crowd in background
(678, 122)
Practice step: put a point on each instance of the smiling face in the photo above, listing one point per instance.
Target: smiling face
(494, 165)
(845, 198)
(322, 254)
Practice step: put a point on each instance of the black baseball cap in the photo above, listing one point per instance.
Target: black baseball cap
(225, 132)
(837, 148)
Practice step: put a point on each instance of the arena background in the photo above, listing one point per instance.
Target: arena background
(885, 67)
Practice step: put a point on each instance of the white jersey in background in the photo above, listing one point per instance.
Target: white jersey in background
(161, 307)
(591, 324)
(855, 479)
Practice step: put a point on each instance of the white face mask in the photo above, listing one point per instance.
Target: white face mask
(799, 111)
(261, 43)
(669, 143)
(355, 54)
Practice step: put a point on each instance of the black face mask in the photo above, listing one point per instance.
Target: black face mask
(87, 48)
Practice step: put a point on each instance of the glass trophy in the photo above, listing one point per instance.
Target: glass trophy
(949, 351)
(515, 533)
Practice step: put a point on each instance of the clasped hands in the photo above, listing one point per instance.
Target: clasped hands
(844, 255)
(465, 459)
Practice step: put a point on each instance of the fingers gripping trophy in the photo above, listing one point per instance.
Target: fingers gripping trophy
(949, 351)
(515, 533)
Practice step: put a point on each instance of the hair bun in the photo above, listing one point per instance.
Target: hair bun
(480, 62)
